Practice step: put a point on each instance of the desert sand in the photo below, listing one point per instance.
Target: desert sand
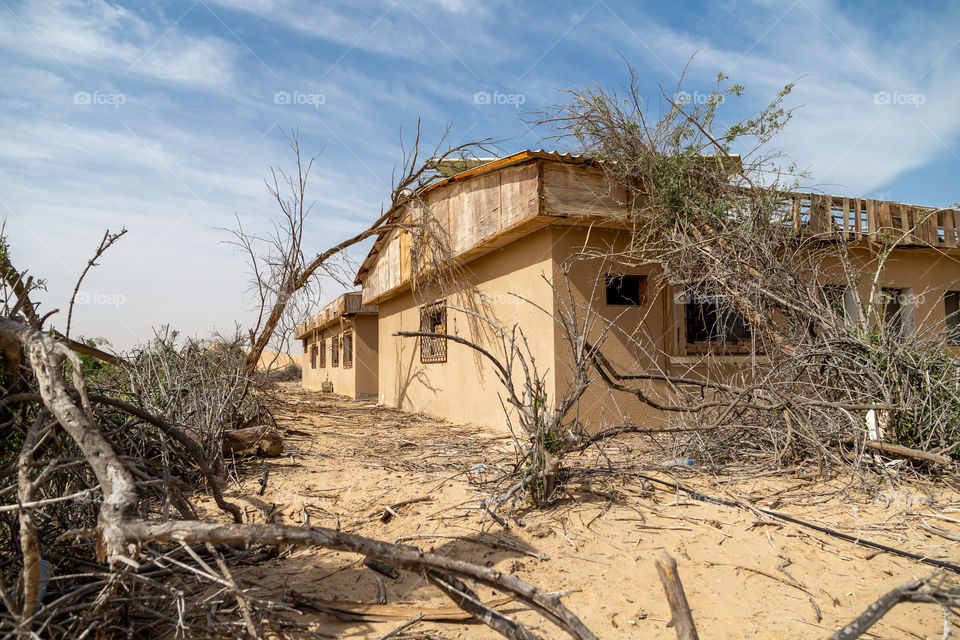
(745, 574)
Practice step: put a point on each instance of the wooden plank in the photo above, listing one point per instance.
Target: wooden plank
(904, 222)
(915, 216)
(814, 223)
(928, 228)
(438, 206)
(383, 276)
(405, 240)
(482, 201)
(576, 191)
(871, 218)
(846, 217)
(885, 227)
(518, 194)
(949, 227)
(857, 225)
(459, 222)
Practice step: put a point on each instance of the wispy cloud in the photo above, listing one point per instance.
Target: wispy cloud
(167, 120)
(100, 35)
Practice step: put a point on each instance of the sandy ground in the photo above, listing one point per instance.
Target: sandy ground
(745, 575)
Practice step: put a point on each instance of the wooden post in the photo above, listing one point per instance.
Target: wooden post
(681, 619)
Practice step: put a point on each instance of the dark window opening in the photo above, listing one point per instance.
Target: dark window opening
(625, 290)
(335, 351)
(951, 304)
(433, 319)
(713, 325)
(313, 357)
(323, 354)
(893, 309)
(347, 349)
(835, 297)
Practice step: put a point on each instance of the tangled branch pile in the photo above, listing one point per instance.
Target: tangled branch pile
(719, 227)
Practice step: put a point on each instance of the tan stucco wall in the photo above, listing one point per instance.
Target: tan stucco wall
(927, 272)
(464, 388)
(356, 381)
(633, 336)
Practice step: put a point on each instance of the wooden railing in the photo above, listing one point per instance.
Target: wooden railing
(346, 304)
(862, 219)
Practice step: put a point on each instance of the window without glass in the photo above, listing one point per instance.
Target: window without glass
(323, 354)
(313, 357)
(951, 307)
(433, 319)
(625, 290)
(335, 351)
(347, 349)
(896, 308)
(713, 325)
(842, 301)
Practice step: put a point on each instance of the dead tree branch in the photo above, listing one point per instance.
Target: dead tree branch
(105, 243)
(931, 590)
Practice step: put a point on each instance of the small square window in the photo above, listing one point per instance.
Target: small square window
(625, 290)
(433, 319)
(335, 351)
(951, 307)
(347, 349)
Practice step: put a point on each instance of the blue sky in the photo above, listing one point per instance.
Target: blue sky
(166, 117)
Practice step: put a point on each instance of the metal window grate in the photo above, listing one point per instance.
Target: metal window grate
(322, 353)
(951, 303)
(347, 349)
(335, 351)
(433, 319)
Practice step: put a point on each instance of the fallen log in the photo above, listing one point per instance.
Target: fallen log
(900, 450)
(263, 441)
(681, 618)
(370, 612)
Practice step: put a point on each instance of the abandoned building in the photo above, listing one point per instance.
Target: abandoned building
(340, 348)
(510, 224)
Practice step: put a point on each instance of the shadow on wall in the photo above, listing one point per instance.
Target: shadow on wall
(414, 373)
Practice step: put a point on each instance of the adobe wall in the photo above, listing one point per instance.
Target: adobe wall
(464, 388)
(355, 381)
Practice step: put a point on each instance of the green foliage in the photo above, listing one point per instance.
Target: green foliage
(922, 378)
(91, 367)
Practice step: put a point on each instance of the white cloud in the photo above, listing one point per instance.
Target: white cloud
(849, 143)
(97, 33)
